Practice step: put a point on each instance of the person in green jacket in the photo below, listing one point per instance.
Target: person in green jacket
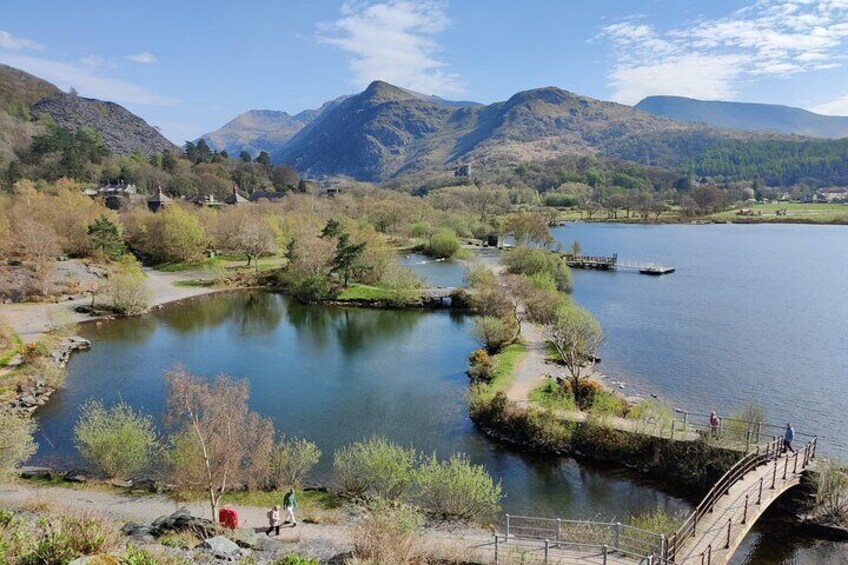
(289, 504)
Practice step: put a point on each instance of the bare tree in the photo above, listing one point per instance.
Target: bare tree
(576, 335)
(39, 243)
(218, 443)
(250, 234)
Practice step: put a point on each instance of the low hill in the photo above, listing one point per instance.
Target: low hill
(746, 116)
(123, 132)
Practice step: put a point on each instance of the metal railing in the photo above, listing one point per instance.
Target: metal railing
(616, 537)
(760, 456)
(732, 433)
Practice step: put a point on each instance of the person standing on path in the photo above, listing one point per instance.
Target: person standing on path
(274, 521)
(788, 437)
(714, 423)
(290, 503)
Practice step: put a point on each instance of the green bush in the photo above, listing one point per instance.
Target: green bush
(481, 367)
(64, 537)
(457, 489)
(295, 559)
(16, 441)
(119, 440)
(605, 406)
(292, 461)
(494, 333)
(548, 431)
(138, 556)
(832, 493)
(375, 468)
(127, 291)
(531, 261)
(651, 415)
(444, 244)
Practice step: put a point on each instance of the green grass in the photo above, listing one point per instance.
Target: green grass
(548, 394)
(503, 368)
(364, 292)
(194, 283)
(305, 499)
(9, 354)
(795, 211)
(193, 266)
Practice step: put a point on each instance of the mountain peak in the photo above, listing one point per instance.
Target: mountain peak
(381, 91)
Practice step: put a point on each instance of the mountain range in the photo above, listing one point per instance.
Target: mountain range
(386, 131)
(746, 116)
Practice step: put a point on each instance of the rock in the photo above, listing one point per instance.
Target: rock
(245, 537)
(31, 472)
(181, 521)
(83, 310)
(120, 483)
(28, 400)
(220, 547)
(76, 477)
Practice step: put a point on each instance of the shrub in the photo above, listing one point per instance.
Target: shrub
(292, 461)
(16, 441)
(832, 493)
(482, 368)
(547, 431)
(531, 261)
(651, 414)
(457, 489)
(64, 537)
(657, 521)
(388, 533)
(128, 293)
(295, 559)
(605, 405)
(376, 468)
(584, 396)
(119, 440)
(138, 556)
(444, 244)
(494, 333)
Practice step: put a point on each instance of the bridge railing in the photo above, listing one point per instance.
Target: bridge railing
(763, 454)
(618, 538)
(733, 433)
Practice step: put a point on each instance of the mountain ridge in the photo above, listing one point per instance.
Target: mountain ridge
(748, 116)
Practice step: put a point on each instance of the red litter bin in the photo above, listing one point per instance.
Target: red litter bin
(228, 517)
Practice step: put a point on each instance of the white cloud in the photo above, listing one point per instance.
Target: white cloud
(9, 41)
(710, 58)
(145, 58)
(836, 107)
(98, 62)
(393, 41)
(85, 80)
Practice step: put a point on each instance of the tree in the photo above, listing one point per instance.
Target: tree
(443, 244)
(528, 228)
(106, 238)
(284, 178)
(493, 333)
(128, 292)
(576, 335)
(39, 243)
(118, 440)
(244, 232)
(244, 156)
(347, 254)
(292, 461)
(218, 442)
(175, 235)
(16, 442)
(264, 159)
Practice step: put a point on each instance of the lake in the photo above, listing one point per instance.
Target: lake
(334, 376)
(753, 314)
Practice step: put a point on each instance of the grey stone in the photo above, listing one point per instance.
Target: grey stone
(245, 537)
(220, 546)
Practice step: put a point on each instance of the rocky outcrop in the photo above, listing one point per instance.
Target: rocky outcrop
(34, 393)
(123, 132)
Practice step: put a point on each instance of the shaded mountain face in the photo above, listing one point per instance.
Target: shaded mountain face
(747, 116)
(123, 132)
(387, 131)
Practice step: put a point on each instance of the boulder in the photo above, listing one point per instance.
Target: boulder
(245, 537)
(31, 472)
(221, 547)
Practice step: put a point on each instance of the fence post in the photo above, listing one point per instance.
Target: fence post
(663, 547)
(747, 437)
(559, 530)
(547, 549)
(709, 553)
(727, 545)
(760, 493)
(506, 539)
(496, 549)
(815, 441)
(745, 511)
(785, 466)
(606, 550)
(795, 465)
(617, 540)
(685, 419)
(774, 475)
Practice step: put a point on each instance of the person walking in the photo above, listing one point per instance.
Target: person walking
(714, 423)
(788, 437)
(274, 521)
(289, 504)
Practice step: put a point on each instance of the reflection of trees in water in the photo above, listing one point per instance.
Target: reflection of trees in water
(353, 327)
(254, 312)
(258, 312)
(128, 330)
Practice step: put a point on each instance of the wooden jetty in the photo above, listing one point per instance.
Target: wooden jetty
(613, 263)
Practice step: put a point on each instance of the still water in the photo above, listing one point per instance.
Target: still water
(332, 375)
(753, 314)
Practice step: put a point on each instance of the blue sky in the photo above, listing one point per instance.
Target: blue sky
(189, 67)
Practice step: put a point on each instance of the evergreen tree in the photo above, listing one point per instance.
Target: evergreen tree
(106, 238)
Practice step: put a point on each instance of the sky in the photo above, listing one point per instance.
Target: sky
(189, 67)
